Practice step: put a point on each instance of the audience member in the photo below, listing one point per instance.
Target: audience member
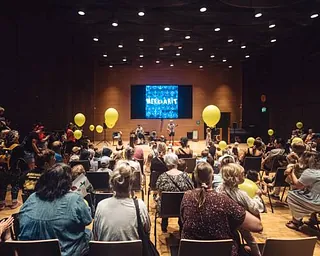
(119, 146)
(129, 156)
(208, 215)
(212, 149)
(54, 212)
(217, 177)
(94, 163)
(184, 151)
(255, 151)
(5, 226)
(182, 165)
(157, 163)
(138, 152)
(208, 137)
(75, 154)
(274, 157)
(115, 218)
(105, 165)
(56, 147)
(84, 155)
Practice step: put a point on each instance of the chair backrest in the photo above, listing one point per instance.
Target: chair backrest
(252, 163)
(290, 247)
(136, 186)
(280, 178)
(35, 248)
(98, 197)
(112, 163)
(128, 248)
(84, 163)
(141, 162)
(153, 179)
(170, 204)
(191, 164)
(202, 247)
(99, 180)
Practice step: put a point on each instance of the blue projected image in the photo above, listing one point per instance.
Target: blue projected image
(162, 101)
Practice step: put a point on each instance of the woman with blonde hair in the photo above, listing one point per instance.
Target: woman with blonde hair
(208, 215)
(115, 218)
(233, 175)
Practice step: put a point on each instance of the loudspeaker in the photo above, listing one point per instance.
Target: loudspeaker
(190, 135)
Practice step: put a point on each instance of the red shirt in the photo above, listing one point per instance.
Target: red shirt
(70, 136)
(138, 153)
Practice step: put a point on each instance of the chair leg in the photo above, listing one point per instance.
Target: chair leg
(270, 200)
(148, 199)
(284, 190)
(155, 230)
(142, 194)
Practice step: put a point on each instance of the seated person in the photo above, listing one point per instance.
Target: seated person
(53, 212)
(119, 146)
(5, 226)
(274, 154)
(184, 151)
(104, 165)
(75, 154)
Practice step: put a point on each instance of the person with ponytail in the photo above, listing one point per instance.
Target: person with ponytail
(255, 151)
(208, 215)
(115, 218)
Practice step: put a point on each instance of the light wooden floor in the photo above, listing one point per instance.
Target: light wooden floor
(273, 223)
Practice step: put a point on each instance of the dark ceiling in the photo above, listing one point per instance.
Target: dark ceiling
(235, 18)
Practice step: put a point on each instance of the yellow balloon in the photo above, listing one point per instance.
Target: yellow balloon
(79, 119)
(250, 187)
(111, 115)
(296, 140)
(91, 127)
(77, 134)
(250, 141)
(110, 125)
(299, 125)
(211, 115)
(270, 132)
(223, 145)
(99, 129)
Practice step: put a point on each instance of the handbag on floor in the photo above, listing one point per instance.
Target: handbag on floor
(148, 248)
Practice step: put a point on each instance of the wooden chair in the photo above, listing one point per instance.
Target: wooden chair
(252, 163)
(127, 248)
(203, 247)
(153, 183)
(49, 247)
(279, 182)
(191, 164)
(290, 247)
(170, 208)
(84, 163)
(136, 186)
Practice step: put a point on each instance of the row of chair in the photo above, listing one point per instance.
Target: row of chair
(283, 247)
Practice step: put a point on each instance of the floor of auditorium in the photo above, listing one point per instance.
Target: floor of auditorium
(273, 223)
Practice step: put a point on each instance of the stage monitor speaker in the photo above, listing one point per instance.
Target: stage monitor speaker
(190, 135)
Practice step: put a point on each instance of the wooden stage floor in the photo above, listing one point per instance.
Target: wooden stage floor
(273, 223)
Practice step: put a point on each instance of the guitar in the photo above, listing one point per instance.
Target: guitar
(169, 130)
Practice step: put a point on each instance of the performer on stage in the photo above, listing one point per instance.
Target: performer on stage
(171, 130)
(140, 134)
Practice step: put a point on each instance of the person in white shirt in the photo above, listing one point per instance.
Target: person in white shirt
(104, 165)
(140, 134)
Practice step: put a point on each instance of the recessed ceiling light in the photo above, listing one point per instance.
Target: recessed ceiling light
(124, 59)
(217, 29)
(141, 39)
(120, 45)
(200, 49)
(212, 56)
(110, 66)
(96, 39)
(115, 24)
(178, 54)
(141, 13)
(224, 60)
(141, 66)
(180, 47)
(230, 40)
(187, 37)
(160, 48)
(203, 9)
(190, 61)
(243, 46)
(314, 15)
(166, 29)
(105, 55)
(230, 66)
(157, 61)
(273, 40)
(141, 56)
(200, 66)
(247, 56)
(258, 14)
(171, 65)
(272, 25)
(81, 13)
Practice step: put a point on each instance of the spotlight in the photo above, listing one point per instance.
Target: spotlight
(272, 25)
(141, 56)
(247, 56)
(230, 40)
(141, 13)
(171, 65)
(243, 46)
(224, 60)
(217, 29)
(141, 39)
(258, 14)
(120, 45)
(110, 66)
(212, 56)
(166, 29)
(230, 66)
(81, 13)
(178, 54)
(141, 66)
(203, 9)
(115, 24)
(96, 39)
(200, 49)
(160, 48)
(190, 61)
(124, 59)
(314, 15)
(157, 61)
(187, 37)
(105, 55)
(273, 40)
(200, 66)
(180, 47)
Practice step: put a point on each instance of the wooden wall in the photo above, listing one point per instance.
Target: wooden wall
(219, 86)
